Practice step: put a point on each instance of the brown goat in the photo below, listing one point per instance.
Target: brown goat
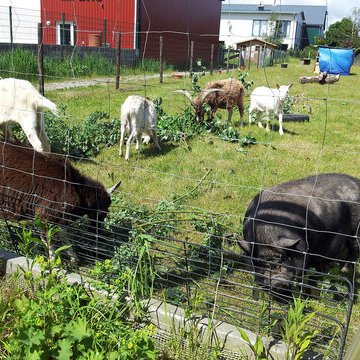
(33, 184)
(218, 94)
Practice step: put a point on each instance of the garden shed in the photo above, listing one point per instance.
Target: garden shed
(257, 50)
(335, 61)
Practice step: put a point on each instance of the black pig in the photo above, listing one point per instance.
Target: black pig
(300, 224)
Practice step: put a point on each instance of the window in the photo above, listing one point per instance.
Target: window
(259, 28)
(284, 28)
(65, 33)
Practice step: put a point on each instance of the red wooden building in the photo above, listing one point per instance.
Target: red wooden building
(141, 23)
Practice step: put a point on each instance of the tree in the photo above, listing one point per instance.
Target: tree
(345, 33)
(274, 30)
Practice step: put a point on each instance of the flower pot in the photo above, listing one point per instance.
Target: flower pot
(177, 76)
(95, 40)
(284, 65)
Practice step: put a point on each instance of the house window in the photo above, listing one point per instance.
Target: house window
(284, 28)
(259, 28)
(65, 33)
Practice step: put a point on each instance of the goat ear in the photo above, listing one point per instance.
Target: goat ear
(245, 245)
(289, 86)
(277, 86)
(285, 242)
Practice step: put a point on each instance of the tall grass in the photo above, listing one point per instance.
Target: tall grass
(21, 63)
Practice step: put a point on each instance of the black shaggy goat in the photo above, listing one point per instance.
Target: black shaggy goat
(33, 184)
(218, 94)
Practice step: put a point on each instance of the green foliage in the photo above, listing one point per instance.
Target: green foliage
(83, 139)
(247, 83)
(342, 34)
(18, 61)
(260, 351)
(308, 52)
(24, 64)
(182, 127)
(190, 339)
(60, 321)
(195, 76)
(294, 330)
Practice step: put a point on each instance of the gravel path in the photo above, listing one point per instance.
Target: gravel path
(99, 81)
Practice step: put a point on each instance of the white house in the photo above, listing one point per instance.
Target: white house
(18, 21)
(298, 25)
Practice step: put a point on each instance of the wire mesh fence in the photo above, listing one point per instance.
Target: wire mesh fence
(188, 211)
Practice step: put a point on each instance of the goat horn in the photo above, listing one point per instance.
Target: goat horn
(112, 189)
(207, 92)
(187, 94)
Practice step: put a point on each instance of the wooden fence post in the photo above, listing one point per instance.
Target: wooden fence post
(228, 60)
(250, 54)
(160, 59)
(118, 54)
(191, 55)
(212, 59)
(40, 59)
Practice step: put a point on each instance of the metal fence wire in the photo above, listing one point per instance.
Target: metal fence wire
(189, 245)
(185, 256)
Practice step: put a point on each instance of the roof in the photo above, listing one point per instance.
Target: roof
(314, 15)
(256, 41)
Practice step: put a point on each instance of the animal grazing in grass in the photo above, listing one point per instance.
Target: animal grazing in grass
(22, 104)
(138, 118)
(49, 186)
(264, 99)
(218, 94)
(300, 224)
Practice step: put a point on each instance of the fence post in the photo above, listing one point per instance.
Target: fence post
(228, 60)
(212, 59)
(40, 59)
(250, 54)
(10, 24)
(104, 33)
(63, 30)
(160, 59)
(191, 55)
(118, 54)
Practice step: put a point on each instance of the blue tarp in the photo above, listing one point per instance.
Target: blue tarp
(335, 61)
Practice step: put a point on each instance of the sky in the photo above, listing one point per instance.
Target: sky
(336, 9)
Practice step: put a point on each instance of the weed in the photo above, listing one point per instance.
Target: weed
(57, 320)
(191, 338)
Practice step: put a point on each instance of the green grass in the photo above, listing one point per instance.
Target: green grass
(304, 149)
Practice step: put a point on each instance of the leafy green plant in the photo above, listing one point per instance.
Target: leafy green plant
(247, 83)
(258, 348)
(61, 321)
(190, 338)
(195, 76)
(294, 331)
(84, 139)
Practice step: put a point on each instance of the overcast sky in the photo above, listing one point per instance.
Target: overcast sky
(337, 9)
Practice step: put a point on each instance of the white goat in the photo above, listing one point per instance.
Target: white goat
(138, 117)
(22, 104)
(269, 100)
